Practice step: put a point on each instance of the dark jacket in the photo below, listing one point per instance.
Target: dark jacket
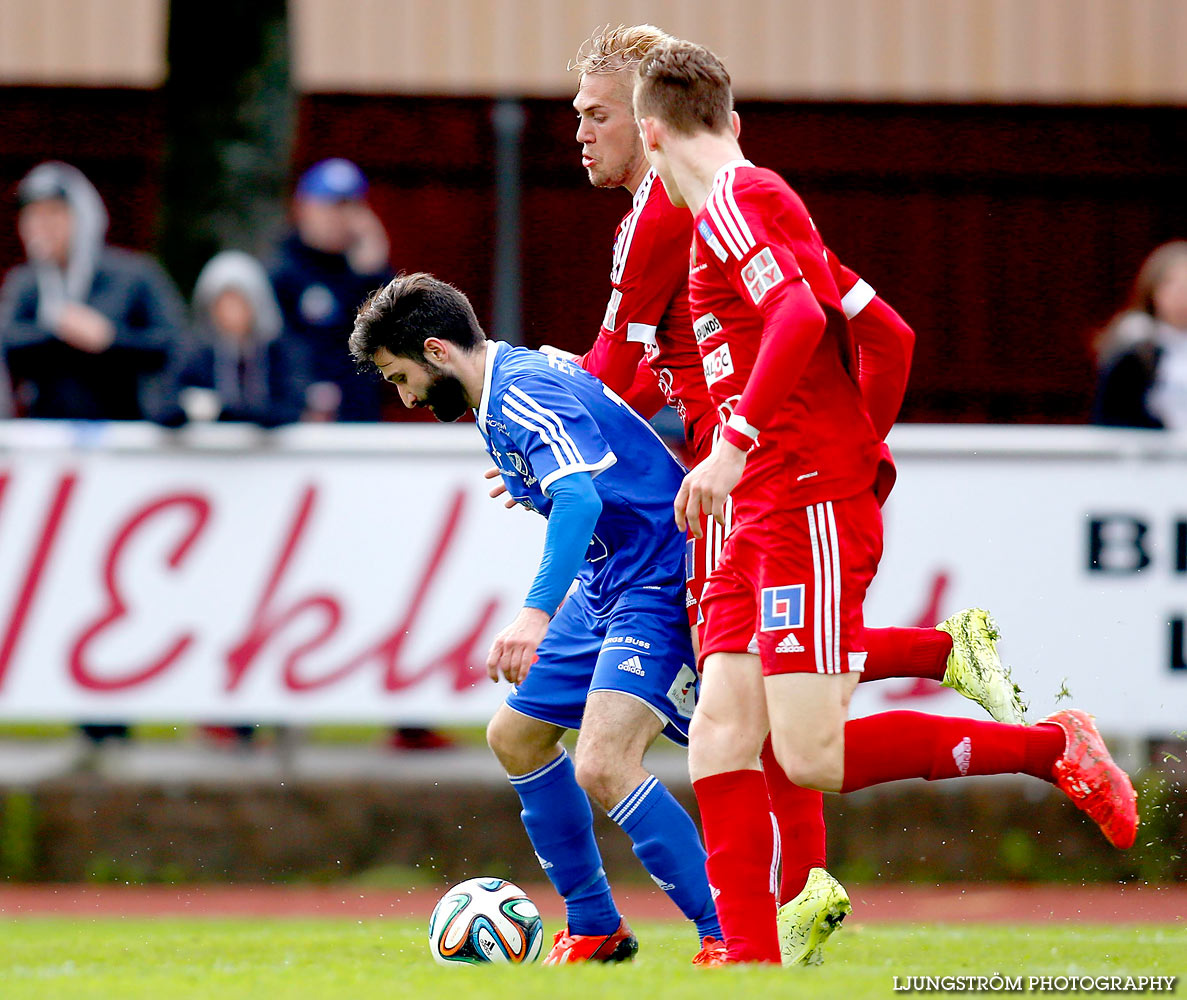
(319, 295)
(1123, 388)
(59, 381)
(257, 380)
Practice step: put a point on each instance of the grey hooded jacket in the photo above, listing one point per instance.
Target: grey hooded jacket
(55, 379)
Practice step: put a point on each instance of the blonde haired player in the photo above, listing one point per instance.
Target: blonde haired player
(647, 351)
(783, 641)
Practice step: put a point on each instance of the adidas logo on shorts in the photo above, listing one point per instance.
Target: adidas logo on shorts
(632, 665)
(789, 644)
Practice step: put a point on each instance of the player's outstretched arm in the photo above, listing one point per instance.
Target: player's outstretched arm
(576, 508)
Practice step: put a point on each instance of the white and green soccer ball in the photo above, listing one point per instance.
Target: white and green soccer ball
(485, 920)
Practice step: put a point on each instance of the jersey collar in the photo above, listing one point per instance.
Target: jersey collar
(643, 191)
(492, 351)
(732, 165)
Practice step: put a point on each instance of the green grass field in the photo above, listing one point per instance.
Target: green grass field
(176, 959)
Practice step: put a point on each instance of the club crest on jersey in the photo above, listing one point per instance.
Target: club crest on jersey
(718, 364)
(761, 274)
(522, 468)
(705, 327)
(782, 608)
(711, 239)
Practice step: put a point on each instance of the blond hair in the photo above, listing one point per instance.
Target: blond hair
(684, 85)
(611, 50)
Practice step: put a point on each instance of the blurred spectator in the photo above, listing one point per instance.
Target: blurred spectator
(84, 326)
(334, 258)
(240, 367)
(1142, 354)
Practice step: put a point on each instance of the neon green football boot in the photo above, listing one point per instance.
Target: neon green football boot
(806, 922)
(975, 670)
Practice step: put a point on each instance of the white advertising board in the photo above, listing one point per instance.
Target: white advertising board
(357, 574)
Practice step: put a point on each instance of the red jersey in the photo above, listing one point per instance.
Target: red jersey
(779, 356)
(646, 335)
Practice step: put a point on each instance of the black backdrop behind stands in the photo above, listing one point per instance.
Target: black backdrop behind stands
(1005, 235)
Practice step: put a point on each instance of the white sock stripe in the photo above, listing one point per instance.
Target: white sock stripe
(540, 771)
(816, 591)
(776, 857)
(836, 546)
(739, 219)
(626, 808)
(631, 797)
(551, 418)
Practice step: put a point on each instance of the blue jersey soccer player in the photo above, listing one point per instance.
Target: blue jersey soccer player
(613, 658)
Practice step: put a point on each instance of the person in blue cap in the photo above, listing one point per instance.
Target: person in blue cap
(335, 256)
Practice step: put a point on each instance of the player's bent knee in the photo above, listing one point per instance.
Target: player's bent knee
(720, 744)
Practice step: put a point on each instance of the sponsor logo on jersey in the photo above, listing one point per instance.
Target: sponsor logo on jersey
(761, 274)
(497, 425)
(711, 239)
(962, 753)
(611, 317)
(683, 692)
(627, 640)
(789, 644)
(782, 608)
(633, 665)
(705, 327)
(718, 364)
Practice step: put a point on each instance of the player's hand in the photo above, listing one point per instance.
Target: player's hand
(369, 244)
(708, 487)
(556, 352)
(514, 649)
(85, 328)
(499, 490)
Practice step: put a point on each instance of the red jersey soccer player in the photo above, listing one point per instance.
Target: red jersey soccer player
(783, 640)
(646, 351)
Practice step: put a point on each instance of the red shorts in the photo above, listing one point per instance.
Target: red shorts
(790, 585)
(701, 556)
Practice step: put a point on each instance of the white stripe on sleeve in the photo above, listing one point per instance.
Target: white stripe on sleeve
(857, 298)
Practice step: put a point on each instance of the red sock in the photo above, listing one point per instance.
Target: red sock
(905, 652)
(896, 745)
(736, 819)
(799, 814)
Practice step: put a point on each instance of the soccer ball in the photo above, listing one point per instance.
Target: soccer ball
(485, 920)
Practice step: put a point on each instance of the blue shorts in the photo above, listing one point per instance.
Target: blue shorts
(642, 649)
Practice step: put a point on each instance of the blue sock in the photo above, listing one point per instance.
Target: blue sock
(559, 821)
(667, 842)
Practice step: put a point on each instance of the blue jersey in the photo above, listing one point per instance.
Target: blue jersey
(543, 418)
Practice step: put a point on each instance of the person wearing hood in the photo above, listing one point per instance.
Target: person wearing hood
(241, 366)
(85, 327)
(323, 271)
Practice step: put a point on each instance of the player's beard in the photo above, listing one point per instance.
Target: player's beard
(445, 396)
(602, 177)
